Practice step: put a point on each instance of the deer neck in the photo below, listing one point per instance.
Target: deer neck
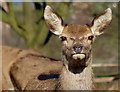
(76, 81)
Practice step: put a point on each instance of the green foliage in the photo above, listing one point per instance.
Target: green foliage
(32, 26)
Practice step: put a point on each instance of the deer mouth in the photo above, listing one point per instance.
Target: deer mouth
(78, 56)
(77, 63)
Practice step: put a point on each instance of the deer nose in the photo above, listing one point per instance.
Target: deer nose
(77, 49)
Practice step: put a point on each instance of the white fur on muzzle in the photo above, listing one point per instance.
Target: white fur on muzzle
(78, 56)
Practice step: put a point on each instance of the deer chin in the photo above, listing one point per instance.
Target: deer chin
(78, 56)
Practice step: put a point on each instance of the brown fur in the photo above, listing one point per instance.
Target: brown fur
(12, 54)
(77, 45)
(76, 73)
(76, 31)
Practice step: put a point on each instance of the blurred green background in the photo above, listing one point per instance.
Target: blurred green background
(27, 29)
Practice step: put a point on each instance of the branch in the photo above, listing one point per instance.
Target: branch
(13, 21)
(5, 17)
(43, 34)
(28, 16)
(39, 10)
(37, 5)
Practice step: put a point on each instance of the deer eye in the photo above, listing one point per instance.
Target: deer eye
(63, 38)
(90, 37)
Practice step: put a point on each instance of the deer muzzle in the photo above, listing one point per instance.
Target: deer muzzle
(77, 52)
(78, 56)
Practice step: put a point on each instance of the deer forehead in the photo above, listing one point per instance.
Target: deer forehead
(76, 31)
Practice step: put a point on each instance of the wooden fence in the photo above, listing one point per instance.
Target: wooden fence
(106, 72)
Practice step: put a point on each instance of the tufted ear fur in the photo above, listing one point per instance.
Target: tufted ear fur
(100, 22)
(53, 21)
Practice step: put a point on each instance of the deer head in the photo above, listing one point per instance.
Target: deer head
(77, 39)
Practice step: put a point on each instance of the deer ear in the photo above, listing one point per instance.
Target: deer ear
(53, 21)
(100, 22)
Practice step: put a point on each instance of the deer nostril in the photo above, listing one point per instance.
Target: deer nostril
(77, 49)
